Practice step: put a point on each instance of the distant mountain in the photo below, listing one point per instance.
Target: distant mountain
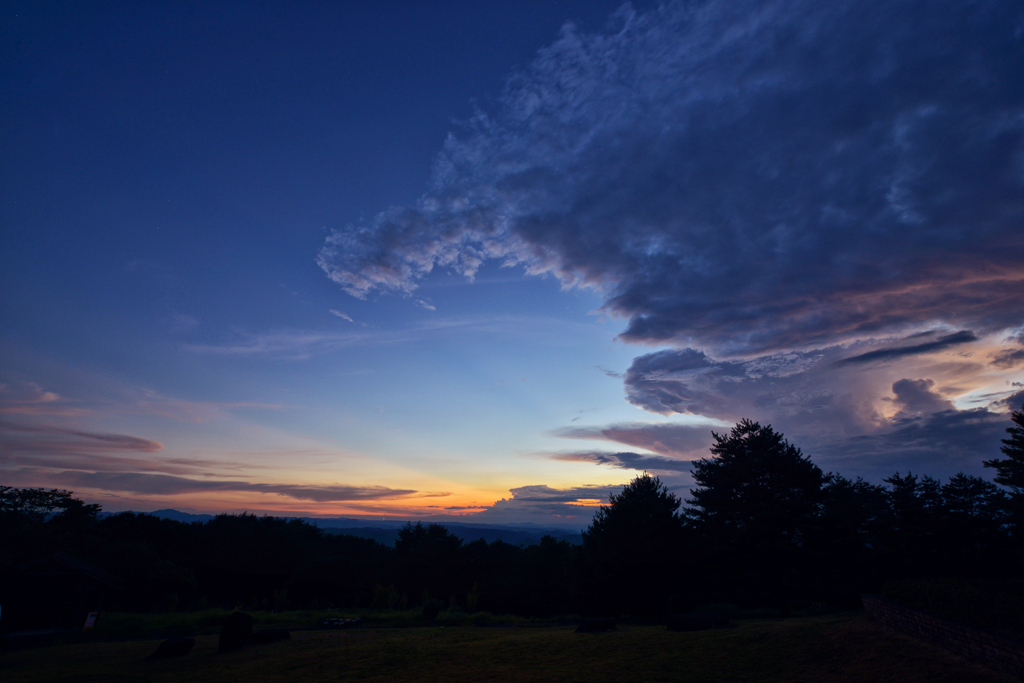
(386, 530)
(176, 515)
(467, 534)
(181, 516)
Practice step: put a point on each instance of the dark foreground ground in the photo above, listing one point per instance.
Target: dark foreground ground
(845, 647)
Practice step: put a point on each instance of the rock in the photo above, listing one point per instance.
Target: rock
(596, 625)
(174, 647)
(236, 632)
(269, 636)
(696, 621)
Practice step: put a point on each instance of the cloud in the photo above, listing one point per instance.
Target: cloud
(167, 485)
(892, 353)
(149, 402)
(949, 441)
(32, 402)
(687, 441)
(916, 397)
(183, 323)
(626, 461)
(743, 177)
(61, 459)
(1009, 359)
(49, 439)
(543, 504)
(341, 315)
(303, 344)
(807, 387)
(816, 205)
(29, 398)
(831, 409)
(423, 304)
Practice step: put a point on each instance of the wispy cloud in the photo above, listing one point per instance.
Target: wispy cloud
(182, 323)
(60, 459)
(167, 485)
(30, 399)
(303, 344)
(32, 402)
(46, 438)
(341, 315)
(149, 402)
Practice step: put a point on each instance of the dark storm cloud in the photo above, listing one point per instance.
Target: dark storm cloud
(892, 353)
(916, 396)
(806, 386)
(743, 176)
(626, 461)
(947, 441)
(1009, 359)
(826, 407)
(162, 484)
(673, 440)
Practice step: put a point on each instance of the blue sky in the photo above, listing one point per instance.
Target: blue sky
(492, 259)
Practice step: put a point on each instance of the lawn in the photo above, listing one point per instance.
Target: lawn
(845, 647)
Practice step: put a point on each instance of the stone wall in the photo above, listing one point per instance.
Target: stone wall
(985, 647)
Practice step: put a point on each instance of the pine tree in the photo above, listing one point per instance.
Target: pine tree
(1010, 471)
(758, 489)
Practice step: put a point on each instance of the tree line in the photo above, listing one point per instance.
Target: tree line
(764, 526)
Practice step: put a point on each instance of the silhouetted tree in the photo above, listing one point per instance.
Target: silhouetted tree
(915, 507)
(756, 501)
(970, 535)
(40, 504)
(843, 542)
(758, 488)
(1010, 470)
(634, 544)
(429, 562)
(35, 521)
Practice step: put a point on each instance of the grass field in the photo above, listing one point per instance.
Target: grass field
(130, 626)
(845, 647)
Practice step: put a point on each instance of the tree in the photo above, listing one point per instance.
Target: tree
(429, 562)
(1010, 471)
(636, 518)
(757, 500)
(38, 505)
(633, 545)
(757, 488)
(34, 521)
(844, 539)
(970, 536)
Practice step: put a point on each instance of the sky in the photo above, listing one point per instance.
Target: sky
(488, 261)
